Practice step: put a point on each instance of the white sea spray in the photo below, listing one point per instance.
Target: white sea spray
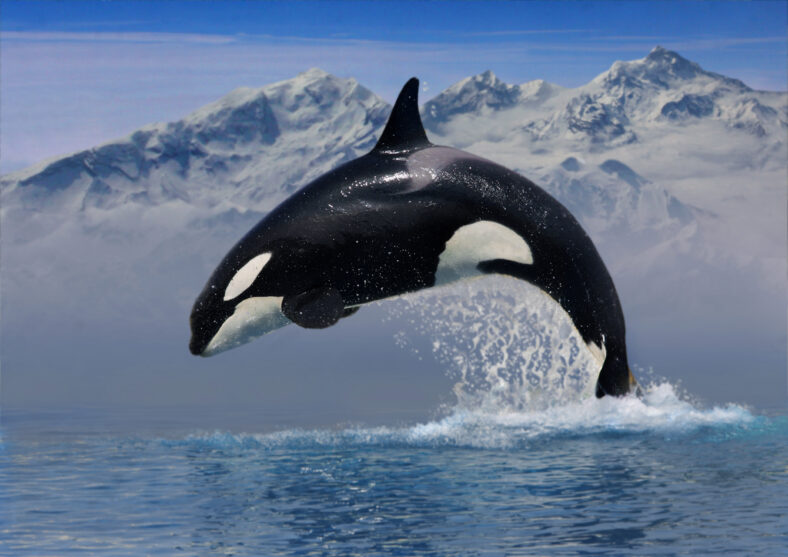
(509, 346)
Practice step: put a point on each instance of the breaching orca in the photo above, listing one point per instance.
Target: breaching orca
(406, 216)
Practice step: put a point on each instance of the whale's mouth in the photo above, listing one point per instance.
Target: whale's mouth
(205, 321)
(197, 345)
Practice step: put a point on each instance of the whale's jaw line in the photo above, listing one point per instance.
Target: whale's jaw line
(252, 318)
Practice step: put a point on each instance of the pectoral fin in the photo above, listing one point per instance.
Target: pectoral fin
(314, 309)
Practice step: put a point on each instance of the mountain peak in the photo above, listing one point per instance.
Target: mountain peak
(314, 75)
(483, 91)
(311, 77)
(487, 77)
(672, 63)
(243, 97)
(315, 72)
(481, 82)
(659, 53)
(661, 68)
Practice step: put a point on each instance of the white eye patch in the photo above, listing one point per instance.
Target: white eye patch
(245, 276)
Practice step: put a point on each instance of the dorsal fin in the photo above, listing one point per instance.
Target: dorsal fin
(404, 128)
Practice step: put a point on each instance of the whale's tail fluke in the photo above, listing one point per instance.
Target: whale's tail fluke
(616, 379)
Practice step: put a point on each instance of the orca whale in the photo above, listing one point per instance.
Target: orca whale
(406, 216)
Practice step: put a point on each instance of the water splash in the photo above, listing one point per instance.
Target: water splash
(508, 345)
(660, 413)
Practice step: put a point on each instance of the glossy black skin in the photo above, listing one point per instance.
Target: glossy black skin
(348, 230)
(362, 230)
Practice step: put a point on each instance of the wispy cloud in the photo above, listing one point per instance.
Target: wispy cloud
(115, 36)
(695, 42)
(522, 32)
(727, 42)
(591, 42)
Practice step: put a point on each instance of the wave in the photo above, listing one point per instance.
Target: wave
(661, 412)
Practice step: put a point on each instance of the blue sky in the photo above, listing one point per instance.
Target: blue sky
(75, 74)
(440, 22)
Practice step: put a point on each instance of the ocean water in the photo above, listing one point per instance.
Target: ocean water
(525, 462)
(657, 476)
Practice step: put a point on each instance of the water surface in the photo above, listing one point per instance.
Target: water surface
(659, 476)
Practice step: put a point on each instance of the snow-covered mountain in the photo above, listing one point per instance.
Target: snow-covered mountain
(672, 169)
(248, 149)
(663, 89)
(253, 147)
(484, 94)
